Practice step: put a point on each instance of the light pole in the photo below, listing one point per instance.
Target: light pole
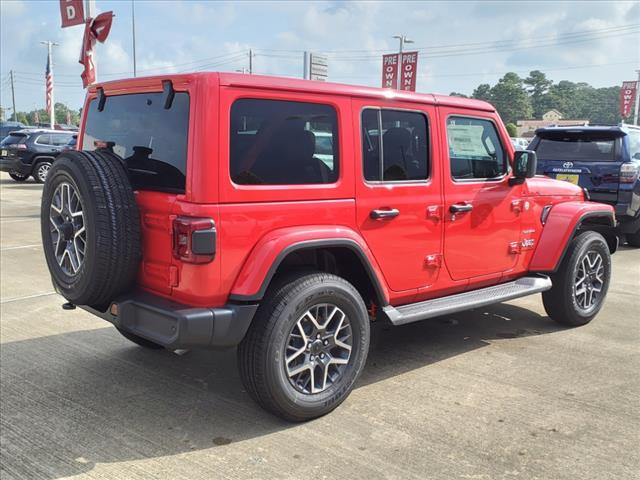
(403, 39)
(133, 36)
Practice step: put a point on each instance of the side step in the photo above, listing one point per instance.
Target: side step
(467, 300)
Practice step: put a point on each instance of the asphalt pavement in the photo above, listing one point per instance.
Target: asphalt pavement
(494, 393)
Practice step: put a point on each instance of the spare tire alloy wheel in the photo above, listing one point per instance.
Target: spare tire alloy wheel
(41, 171)
(68, 233)
(318, 348)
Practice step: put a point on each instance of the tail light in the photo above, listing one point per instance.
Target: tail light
(18, 146)
(194, 239)
(628, 173)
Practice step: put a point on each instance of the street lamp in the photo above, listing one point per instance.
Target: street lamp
(403, 39)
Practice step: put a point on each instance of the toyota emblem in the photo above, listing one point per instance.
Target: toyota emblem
(567, 165)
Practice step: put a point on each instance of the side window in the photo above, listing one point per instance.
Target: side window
(275, 142)
(395, 145)
(44, 139)
(634, 144)
(475, 151)
(60, 139)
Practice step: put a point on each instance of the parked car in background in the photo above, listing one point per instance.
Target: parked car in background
(604, 160)
(519, 143)
(71, 145)
(6, 127)
(30, 152)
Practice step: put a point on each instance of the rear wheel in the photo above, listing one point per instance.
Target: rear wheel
(18, 177)
(306, 347)
(580, 285)
(40, 170)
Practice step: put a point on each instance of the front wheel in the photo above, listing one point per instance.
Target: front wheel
(306, 346)
(580, 285)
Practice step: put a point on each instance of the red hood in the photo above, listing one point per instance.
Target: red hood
(544, 186)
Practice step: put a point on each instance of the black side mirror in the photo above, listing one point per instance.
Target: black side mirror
(525, 163)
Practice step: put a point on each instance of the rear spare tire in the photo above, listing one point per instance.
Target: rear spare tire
(90, 227)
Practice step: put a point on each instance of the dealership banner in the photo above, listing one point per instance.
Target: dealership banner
(400, 73)
(627, 95)
(72, 12)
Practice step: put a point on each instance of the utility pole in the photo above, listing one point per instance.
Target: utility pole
(133, 36)
(635, 110)
(305, 65)
(403, 39)
(52, 109)
(250, 61)
(90, 11)
(13, 97)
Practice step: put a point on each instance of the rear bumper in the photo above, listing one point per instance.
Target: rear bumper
(176, 326)
(13, 164)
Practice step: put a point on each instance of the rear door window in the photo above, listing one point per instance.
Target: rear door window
(58, 139)
(44, 139)
(151, 139)
(276, 142)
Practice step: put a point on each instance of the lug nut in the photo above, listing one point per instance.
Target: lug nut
(322, 355)
(312, 358)
(326, 342)
(318, 336)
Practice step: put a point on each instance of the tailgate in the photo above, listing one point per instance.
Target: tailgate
(601, 179)
(157, 271)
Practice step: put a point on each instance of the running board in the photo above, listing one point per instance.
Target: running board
(467, 300)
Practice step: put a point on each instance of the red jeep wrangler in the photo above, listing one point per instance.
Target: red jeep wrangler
(282, 216)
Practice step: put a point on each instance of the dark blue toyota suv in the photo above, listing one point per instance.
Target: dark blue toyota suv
(604, 160)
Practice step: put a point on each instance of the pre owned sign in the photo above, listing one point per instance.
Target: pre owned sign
(400, 73)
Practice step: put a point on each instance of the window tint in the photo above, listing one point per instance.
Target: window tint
(580, 146)
(14, 139)
(401, 152)
(634, 144)
(475, 150)
(151, 139)
(58, 140)
(44, 139)
(277, 142)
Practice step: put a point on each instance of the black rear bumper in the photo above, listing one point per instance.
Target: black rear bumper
(13, 164)
(177, 326)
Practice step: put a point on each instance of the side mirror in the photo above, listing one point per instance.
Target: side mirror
(525, 163)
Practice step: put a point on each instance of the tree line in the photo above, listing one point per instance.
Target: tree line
(518, 98)
(42, 116)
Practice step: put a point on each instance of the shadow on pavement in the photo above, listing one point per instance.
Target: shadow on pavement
(70, 401)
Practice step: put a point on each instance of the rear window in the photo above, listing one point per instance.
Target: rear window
(276, 142)
(577, 147)
(14, 139)
(151, 139)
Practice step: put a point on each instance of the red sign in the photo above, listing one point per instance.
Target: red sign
(390, 70)
(627, 95)
(95, 29)
(72, 12)
(408, 71)
(398, 74)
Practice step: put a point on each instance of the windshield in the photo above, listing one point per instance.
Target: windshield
(577, 147)
(14, 139)
(151, 139)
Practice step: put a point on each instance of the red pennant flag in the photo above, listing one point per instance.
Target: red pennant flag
(95, 29)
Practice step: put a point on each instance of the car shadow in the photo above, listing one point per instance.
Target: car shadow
(73, 400)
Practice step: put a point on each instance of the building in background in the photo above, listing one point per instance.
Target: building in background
(527, 128)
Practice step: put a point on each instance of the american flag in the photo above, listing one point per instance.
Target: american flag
(49, 84)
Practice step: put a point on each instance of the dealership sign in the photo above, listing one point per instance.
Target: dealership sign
(627, 94)
(318, 67)
(399, 71)
(72, 12)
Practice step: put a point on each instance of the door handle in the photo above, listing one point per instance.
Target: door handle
(460, 207)
(383, 214)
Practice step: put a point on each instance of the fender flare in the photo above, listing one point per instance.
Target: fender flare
(262, 263)
(561, 224)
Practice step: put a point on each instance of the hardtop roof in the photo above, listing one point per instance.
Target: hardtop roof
(291, 84)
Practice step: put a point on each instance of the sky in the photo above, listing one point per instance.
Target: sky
(460, 44)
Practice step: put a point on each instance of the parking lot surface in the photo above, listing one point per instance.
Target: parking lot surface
(494, 393)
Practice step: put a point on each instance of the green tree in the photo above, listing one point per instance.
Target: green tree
(510, 98)
(457, 94)
(512, 129)
(538, 85)
(482, 92)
